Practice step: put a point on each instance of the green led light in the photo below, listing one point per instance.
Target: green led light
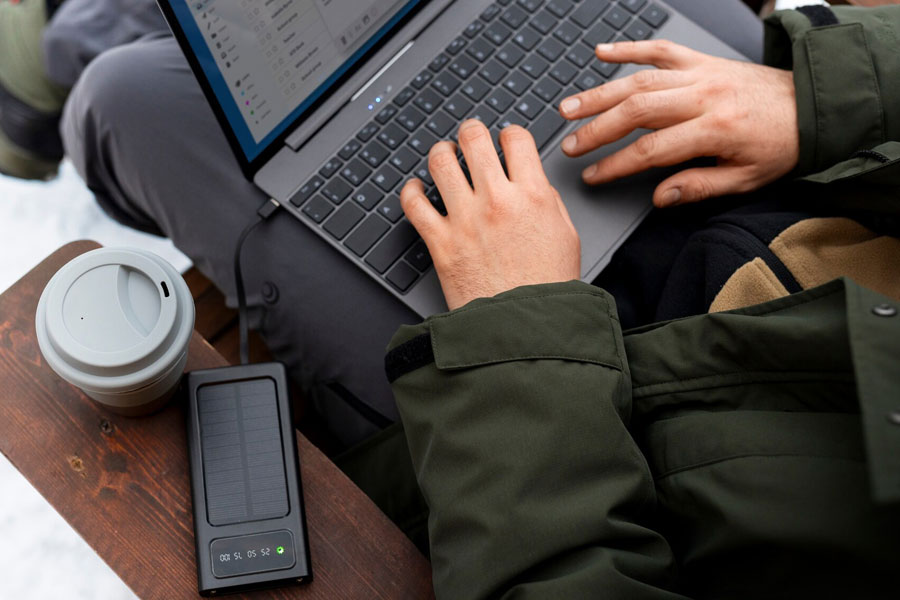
(280, 549)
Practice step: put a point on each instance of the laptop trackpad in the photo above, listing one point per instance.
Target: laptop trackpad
(604, 215)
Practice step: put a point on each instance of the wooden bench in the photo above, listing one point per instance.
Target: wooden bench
(123, 484)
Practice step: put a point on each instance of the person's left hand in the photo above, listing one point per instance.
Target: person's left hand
(504, 233)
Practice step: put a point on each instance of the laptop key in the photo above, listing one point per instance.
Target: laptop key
(547, 89)
(463, 66)
(349, 149)
(476, 89)
(365, 236)
(497, 33)
(633, 5)
(330, 168)
(560, 8)
(588, 12)
(517, 83)
(428, 101)
(386, 114)
(318, 209)
(510, 55)
(410, 118)
(480, 50)
(439, 61)
(439, 124)
(567, 33)
(494, 72)
(420, 80)
(490, 12)
(514, 17)
(418, 256)
(529, 106)
(485, 115)
(404, 96)
(404, 160)
(336, 190)
(367, 196)
(390, 209)
(374, 154)
(423, 173)
(473, 29)
(655, 15)
(598, 34)
(588, 81)
(616, 17)
(355, 172)
(527, 38)
(606, 69)
(551, 49)
(638, 30)
(530, 5)
(343, 221)
(392, 136)
(366, 133)
(434, 196)
(563, 72)
(422, 141)
(386, 178)
(535, 66)
(458, 106)
(402, 276)
(456, 45)
(500, 100)
(544, 21)
(307, 190)
(545, 127)
(580, 56)
(445, 83)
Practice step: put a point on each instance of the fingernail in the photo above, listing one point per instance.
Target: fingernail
(469, 123)
(570, 105)
(589, 172)
(670, 197)
(605, 47)
(569, 144)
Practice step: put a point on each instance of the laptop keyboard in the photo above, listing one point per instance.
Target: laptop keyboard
(512, 65)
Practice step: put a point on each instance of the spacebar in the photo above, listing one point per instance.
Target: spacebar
(545, 127)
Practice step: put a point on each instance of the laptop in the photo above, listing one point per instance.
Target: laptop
(331, 105)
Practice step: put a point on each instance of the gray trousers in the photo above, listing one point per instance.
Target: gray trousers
(143, 137)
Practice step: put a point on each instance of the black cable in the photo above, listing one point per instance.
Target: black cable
(264, 212)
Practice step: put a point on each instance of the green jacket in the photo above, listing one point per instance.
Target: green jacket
(753, 453)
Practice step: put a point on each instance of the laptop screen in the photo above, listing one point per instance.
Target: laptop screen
(268, 61)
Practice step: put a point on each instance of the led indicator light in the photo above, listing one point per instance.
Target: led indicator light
(371, 107)
(280, 549)
(378, 99)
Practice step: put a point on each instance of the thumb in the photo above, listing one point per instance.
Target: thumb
(694, 185)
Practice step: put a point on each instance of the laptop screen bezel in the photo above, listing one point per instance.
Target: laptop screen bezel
(248, 166)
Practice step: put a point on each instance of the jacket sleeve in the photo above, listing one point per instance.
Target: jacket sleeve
(846, 66)
(516, 411)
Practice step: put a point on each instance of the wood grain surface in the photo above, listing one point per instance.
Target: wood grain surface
(123, 484)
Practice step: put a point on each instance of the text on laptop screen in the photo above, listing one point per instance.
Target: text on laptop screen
(267, 61)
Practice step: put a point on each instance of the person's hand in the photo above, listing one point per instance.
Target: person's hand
(743, 114)
(504, 233)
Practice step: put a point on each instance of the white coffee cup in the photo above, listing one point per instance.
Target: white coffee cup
(116, 322)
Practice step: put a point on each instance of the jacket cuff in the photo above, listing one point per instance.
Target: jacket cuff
(836, 71)
(566, 321)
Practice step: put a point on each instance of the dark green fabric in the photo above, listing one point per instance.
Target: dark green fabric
(748, 454)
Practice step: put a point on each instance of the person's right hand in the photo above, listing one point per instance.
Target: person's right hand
(743, 114)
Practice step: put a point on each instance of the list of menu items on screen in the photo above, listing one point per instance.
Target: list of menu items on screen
(275, 53)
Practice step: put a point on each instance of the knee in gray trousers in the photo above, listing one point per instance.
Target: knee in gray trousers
(144, 139)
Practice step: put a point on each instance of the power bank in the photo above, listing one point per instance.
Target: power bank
(249, 522)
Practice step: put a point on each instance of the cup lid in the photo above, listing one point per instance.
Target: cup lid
(114, 319)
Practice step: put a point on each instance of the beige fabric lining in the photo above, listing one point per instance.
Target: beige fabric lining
(816, 251)
(753, 283)
(819, 250)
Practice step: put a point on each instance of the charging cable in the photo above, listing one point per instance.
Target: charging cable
(263, 212)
